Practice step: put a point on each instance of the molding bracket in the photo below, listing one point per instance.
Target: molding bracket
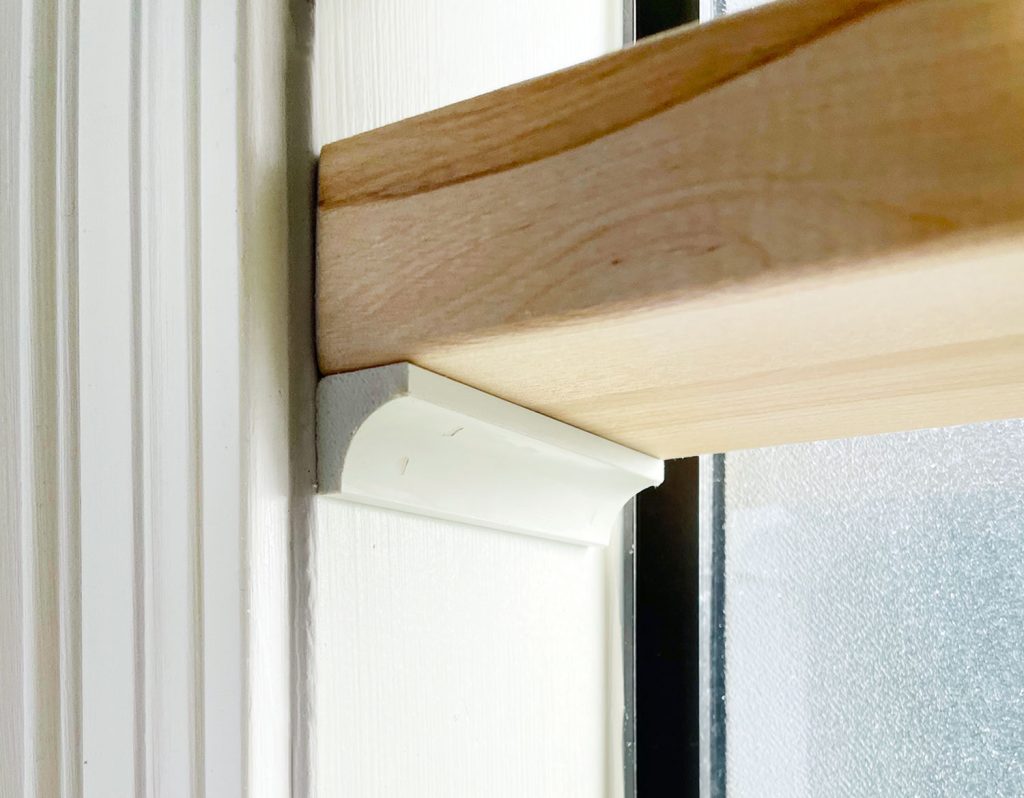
(408, 439)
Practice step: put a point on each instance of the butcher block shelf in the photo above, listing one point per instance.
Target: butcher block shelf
(801, 222)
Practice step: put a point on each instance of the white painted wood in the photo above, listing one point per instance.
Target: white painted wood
(443, 660)
(169, 418)
(12, 675)
(615, 688)
(407, 439)
(111, 682)
(39, 684)
(276, 382)
(455, 664)
(381, 61)
(222, 393)
(156, 426)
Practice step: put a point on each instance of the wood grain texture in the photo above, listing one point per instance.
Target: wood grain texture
(799, 222)
(447, 660)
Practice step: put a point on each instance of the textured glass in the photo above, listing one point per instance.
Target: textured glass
(874, 616)
(732, 6)
(719, 8)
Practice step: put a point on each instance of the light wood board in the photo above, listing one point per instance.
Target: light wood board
(796, 223)
(448, 660)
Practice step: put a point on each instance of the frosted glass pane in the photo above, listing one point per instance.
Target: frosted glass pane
(732, 6)
(719, 8)
(874, 616)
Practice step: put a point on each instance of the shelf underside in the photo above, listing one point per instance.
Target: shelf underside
(800, 222)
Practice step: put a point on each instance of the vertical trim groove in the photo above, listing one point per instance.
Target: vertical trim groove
(195, 378)
(40, 667)
(134, 266)
(69, 516)
(137, 399)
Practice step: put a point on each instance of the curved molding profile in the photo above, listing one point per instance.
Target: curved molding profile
(408, 439)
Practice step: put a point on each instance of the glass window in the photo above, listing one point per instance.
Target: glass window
(867, 637)
(710, 9)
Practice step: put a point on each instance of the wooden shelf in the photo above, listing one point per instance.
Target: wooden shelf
(802, 222)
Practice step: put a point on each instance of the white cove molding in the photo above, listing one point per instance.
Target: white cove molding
(446, 660)
(404, 438)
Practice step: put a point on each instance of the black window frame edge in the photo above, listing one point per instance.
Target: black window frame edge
(662, 628)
